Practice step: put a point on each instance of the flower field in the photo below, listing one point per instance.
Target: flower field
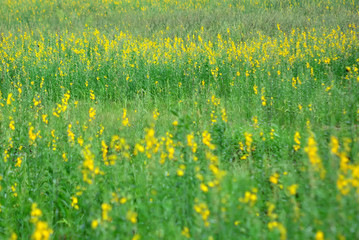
(191, 119)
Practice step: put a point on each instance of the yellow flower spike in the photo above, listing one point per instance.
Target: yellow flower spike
(314, 158)
(297, 141)
(255, 88)
(92, 114)
(207, 140)
(249, 141)
(9, 99)
(125, 121)
(334, 144)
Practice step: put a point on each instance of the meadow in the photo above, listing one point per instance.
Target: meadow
(191, 119)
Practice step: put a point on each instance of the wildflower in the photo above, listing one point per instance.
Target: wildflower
(12, 125)
(191, 143)
(185, 232)
(207, 140)
(180, 172)
(42, 231)
(71, 135)
(293, 189)
(33, 135)
(203, 210)
(104, 149)
(13, 236)
(312, 151)
(204, 187)
(94, 224)
(255, 122)
(105, 209)
(297, 141)
(131, 216)
(92, 114)
(44, 118)
(64, 157)
(74, 203)
(250, 197)
(319, 235)
(123, 200)
(155, 114)
(283, 232)
(136, 237)
(255, 88)
(272, 133)
(35, 213)
(18, 162)
(264, 100)
(334, 143)
(249, 141)
(274, 178)
(125, 121)
(9, 99)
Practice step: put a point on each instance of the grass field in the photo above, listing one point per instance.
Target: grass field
(191, 119)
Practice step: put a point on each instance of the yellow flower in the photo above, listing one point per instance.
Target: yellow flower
(35, 212)
(155, 114)
(13, 236)
(9, 99)
(12, 125)
(125, 121)
(136, 237)
(297, 141)
(123, 200)
(185, 232)
(249, 141)
(255, 88)
(206, 139)
(180, 172)
(319, 235)
(105, 209)
(44, 118)
(74, 203)
(92, 114)
(94, 224)
(293, 189)
(314, 158)
(274, 178)
(334, 144)
(18, 162)
(204, 187)
(131, 216)
(42, 231)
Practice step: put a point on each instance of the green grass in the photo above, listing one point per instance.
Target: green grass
(83, 84)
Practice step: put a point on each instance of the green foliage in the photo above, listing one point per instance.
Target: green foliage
(206, 119)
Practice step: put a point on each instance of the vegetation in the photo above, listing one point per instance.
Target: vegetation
(191, 119)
